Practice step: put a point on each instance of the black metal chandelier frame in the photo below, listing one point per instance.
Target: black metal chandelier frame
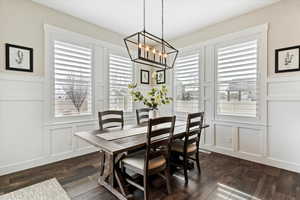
(152, 50)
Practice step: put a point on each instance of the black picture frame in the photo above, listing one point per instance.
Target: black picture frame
(277, 67)
(164, 77)
(7, 57)
(142, 77)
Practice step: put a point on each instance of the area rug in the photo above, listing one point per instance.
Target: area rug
(47, 190)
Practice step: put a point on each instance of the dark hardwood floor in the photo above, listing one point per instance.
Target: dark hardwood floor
(222, 178)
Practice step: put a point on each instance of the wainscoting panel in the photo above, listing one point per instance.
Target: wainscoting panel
(284, 131)
(25, 141)
(61, 141)
(21, 120)
(283, 123)
(224, 137)
(284, 88)
(275, 143)
(21, 132)
(80, 144)
(250, 141)
(14, 88)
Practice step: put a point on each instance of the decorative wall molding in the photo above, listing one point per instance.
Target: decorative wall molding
(259, 140)
(21, 78)
(26, 101)
(23, 100)
(283, 79)
(283, 98)
(19, 166)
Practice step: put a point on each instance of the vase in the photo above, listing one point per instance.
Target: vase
(153, 114)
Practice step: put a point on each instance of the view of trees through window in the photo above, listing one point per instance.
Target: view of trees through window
(72, 79)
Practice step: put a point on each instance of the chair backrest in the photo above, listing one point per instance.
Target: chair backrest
(193, 129)
(110, 119)
(158, 128)
(142, 115)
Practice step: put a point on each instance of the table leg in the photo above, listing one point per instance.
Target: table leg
(109, 172)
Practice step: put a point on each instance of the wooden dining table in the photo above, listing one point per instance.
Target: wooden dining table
(113, 145)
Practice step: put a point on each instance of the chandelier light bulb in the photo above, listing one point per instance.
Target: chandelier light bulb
(150, 49)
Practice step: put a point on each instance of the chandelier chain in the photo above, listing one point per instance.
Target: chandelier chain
(162, 19)
(144, 15)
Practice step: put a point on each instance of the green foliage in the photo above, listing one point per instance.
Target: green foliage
(154, 98)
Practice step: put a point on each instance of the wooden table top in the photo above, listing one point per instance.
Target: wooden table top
(124, 144)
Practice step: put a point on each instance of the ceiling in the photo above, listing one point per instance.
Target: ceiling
(181, 16)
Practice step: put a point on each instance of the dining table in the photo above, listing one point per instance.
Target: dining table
(114, 144)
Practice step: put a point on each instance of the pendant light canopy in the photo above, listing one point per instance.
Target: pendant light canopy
(148, 49)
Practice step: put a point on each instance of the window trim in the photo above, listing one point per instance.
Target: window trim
(207, 76)
(51, 68)
(53, 32)
(87, 45)
(260, 33)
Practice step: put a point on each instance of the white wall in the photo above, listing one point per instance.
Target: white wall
(275, 143)
(22, 23)
(29, 135)
(27, 139)
(274, 139)
(284, 29)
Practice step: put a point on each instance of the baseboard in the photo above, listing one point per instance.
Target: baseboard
(43, 161)
(257, 159)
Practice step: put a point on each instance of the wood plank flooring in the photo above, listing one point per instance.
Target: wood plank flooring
(222, 178)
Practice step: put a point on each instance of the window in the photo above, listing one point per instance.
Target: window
(187, 84)
(236, 84)
(72, 79)
(120, 75)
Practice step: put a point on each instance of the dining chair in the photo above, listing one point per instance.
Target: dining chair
(155, 158)
(110, 119)
(142, 116)
(189, 145)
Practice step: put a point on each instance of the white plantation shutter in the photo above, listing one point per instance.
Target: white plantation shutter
(120, 75)
(72, 79)
(237, 79)
(187, 84)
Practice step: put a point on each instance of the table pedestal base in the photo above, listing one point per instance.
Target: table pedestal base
(110, 176)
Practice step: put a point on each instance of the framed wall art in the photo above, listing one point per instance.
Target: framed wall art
(19, 58)
(287, 59)
(161, 77)
(145, 76)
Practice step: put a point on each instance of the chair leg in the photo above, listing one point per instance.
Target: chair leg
(198, 162)
(146, 189)
(185, 168)
(167, 175)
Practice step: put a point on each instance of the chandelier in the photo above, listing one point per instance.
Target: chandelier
(148, 49)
